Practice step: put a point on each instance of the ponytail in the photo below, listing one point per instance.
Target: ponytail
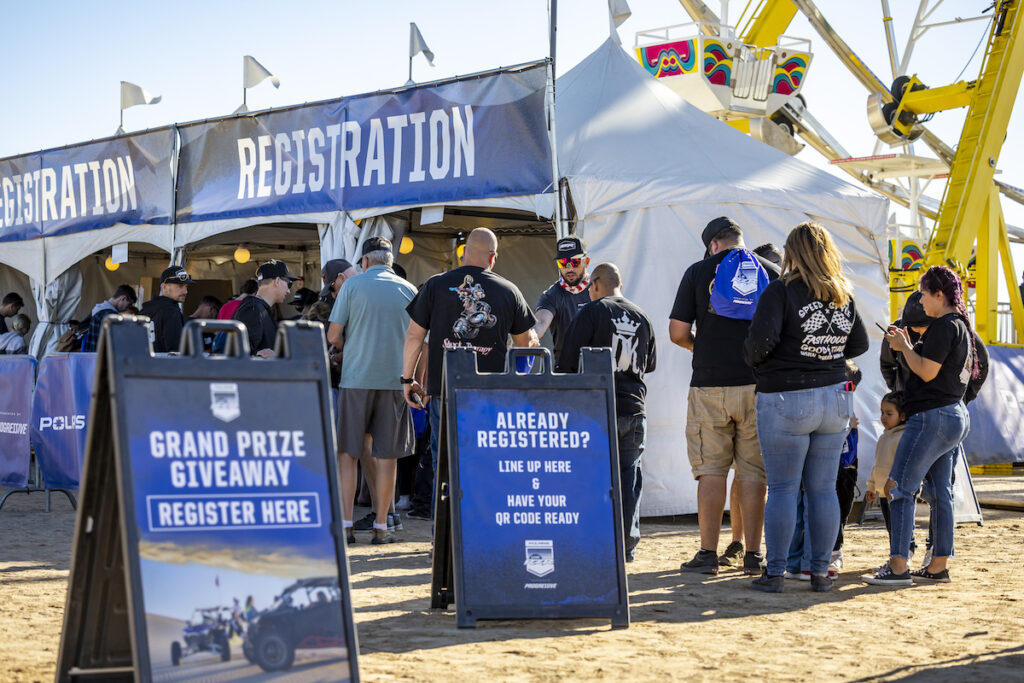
(943, 279)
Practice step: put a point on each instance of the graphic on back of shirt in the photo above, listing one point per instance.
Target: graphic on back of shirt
(476, 313)
(624, 343)
(826, 328)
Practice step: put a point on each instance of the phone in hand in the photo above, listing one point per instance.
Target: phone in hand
(884, 330)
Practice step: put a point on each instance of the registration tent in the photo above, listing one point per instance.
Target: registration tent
(646, 172)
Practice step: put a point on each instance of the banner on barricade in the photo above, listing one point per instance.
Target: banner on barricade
(16, 375)
(484, 136)
(60, 412)
(534, 510)
(229, 559)
(126, 179)
(997, 415)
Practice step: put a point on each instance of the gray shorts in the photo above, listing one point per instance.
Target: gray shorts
(381, 413)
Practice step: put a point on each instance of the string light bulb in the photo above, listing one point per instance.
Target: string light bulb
(406, 245)
(110, 265)
(242, 255)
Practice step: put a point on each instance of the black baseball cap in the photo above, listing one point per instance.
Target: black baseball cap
(330, 272)
(913, 312)
(376, 244)
(274, 269)
(570, 247)
(304, 297)
(714, 227)
(176, 275)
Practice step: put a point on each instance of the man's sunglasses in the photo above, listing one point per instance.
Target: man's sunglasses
(569, 262)
(180, 277)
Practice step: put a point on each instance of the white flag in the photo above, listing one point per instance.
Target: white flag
(618, 12)
(418, 45)
(254, 73)
(132, 94)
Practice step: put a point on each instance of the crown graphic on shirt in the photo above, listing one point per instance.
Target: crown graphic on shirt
(625, 325)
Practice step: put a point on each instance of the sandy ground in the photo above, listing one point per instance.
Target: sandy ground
(683, 627)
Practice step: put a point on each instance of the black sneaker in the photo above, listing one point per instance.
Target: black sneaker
(926, 576)
(366, 523)
(768, 584)
(395, 521)
(418, 513)
(350, 536)
(704, 562)
(821, 584)
(732, 555)
(753, 562)
(886, 577)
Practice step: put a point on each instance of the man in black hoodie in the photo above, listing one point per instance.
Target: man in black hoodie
(164, 309)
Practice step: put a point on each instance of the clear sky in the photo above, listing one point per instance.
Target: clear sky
(63, 61)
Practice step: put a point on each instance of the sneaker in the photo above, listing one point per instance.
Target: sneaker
(418, 513)
(923, 574)
(753, 562)
(797, 576)
(395, 521)
(350, 536)
(732, 555)
(836, 563)
(380, 537)
(821, 584)
(886, 577)
(704, 562)
(366, 523)
(768, 584)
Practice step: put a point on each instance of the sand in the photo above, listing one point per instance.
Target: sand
(683, 627)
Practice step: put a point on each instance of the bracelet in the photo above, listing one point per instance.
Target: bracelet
(406, 380)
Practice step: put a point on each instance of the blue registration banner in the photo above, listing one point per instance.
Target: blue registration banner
(60, 412)
(470, 138)
(16, 373)
(126, 179)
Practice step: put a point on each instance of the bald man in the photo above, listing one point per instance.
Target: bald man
(610, 320)
(468, 307)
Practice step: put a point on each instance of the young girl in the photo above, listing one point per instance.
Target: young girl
(893, 420)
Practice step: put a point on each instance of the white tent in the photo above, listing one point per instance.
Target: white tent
(646, 172)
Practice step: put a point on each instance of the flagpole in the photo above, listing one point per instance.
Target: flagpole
(410, 65)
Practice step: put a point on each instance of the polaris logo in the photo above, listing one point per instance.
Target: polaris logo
(62, 423)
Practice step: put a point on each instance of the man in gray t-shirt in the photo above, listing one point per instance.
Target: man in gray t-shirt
(368, 324)
(560, 302)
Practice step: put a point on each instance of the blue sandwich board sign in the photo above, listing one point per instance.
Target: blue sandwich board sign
(208, 543)
(532, 500)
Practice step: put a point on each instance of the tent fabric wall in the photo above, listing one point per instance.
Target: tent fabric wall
(56, 302)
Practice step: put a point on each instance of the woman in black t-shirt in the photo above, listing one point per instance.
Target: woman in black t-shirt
(805, 327)
(941, 364)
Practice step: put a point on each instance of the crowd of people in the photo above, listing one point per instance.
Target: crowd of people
(772, 335)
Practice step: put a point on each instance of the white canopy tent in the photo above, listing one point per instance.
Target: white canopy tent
(646, 172)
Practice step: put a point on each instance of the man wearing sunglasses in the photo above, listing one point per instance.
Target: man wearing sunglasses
(275, 284)
(164, 309)
(560, 302)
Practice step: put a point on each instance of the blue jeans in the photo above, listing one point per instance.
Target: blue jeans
(801, 435)
(798, 558)
(632, 435)
(927, 449)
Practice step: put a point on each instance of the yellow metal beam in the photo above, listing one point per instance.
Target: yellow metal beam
(1016, 304)
(986, 280)
(770, 21)
(931, 100)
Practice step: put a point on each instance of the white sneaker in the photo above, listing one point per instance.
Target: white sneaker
(836, 563)
(798, 576)
(404, 503)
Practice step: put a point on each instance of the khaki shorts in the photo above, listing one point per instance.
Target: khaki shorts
(381, 413)
(721, 432)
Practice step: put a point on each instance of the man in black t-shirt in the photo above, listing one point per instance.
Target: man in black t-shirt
(721, 425)
(468, 307)
(255, 311)
(164, 310)
(613, 321)
(560, 302)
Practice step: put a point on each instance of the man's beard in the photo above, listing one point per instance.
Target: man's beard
(574, 281)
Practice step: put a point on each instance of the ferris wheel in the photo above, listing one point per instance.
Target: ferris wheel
(750, 74)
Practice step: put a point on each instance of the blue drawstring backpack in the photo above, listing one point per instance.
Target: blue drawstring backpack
(739, 280)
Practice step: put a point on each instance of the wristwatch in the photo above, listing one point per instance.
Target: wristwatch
(406, 380)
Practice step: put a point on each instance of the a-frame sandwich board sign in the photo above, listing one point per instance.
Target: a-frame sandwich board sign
(206, 480)
(531, 526)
